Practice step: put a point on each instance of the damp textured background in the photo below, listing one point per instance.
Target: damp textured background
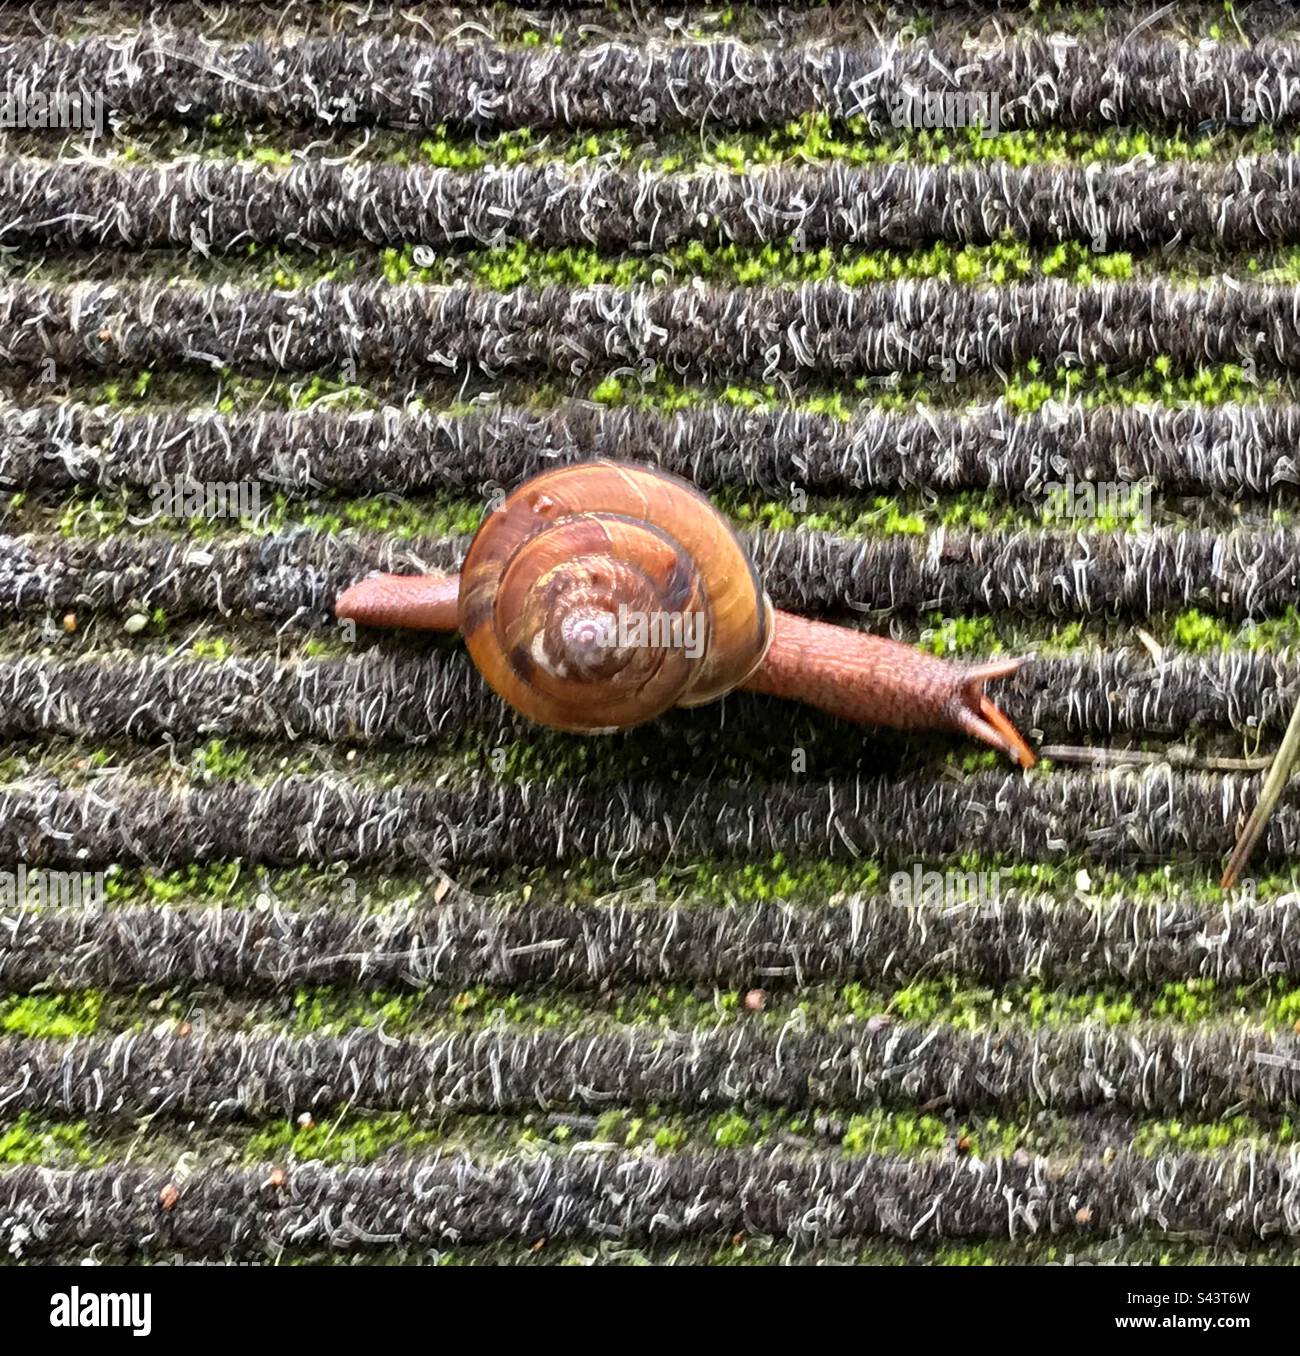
(382, 974)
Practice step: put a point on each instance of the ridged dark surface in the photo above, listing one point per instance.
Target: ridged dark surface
(342, 960)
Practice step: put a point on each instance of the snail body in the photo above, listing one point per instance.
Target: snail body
(601, 594)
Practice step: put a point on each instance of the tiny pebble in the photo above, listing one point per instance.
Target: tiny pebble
(755, 1000)
(134, 624)
(169, 1196)
(70, 622)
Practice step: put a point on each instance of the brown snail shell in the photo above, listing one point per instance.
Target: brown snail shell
(570, 588)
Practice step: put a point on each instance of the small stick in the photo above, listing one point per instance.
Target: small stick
(1083, 753)
(1268, 798)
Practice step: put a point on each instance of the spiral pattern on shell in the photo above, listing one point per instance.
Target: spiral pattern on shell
(600, 595)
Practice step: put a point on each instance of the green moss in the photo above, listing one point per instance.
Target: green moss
(880, 1132)
(908, 1134)
(1189, 1000)
(32, 1139)
(1193, 630)
(211, 647)
(608, 391)
(1174, 1136)
(1022, 389)
(710, 258)
(967, 1255)
(229, 392)
(773, 879)
(320, 389)
(444, 150)
(200, 882)
(976, 511)
(731, 1130)
(813, 137)
(336, 1011)
(779, 263)
(1155, 384)
(341, 1139)
(350, 1137)
(720, 881)
(907, 514)
(1063, 639)
(325, 647)
(960, 636)
(388, 514)
(93, 516)
(59, 1015)
(1273, 634)
(1284, 1008)
(219, 761)
(946, 1001)
(972, 1007)
(1076, 261)
(817, 138)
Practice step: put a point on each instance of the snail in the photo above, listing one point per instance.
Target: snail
(600, 594)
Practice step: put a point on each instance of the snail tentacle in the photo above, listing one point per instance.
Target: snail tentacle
(980, 716)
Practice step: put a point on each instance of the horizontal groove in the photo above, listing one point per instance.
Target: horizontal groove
(810, 140)
(158, 76)
(815, 328)
(588, 946)
(1229, 449)
(227, 206)
(373, 698)
(395, 1136)
(809, 1199)
(1146, 1068)
(296, 576)
(1122, 817)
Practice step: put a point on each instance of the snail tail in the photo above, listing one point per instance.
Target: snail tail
(875, 681)
(413, 601)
